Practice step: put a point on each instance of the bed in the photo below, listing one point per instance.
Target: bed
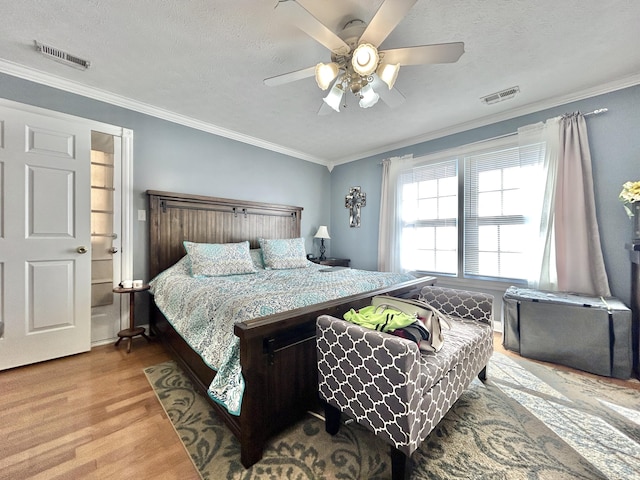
(277, 356)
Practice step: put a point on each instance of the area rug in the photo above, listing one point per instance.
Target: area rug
(528, 421)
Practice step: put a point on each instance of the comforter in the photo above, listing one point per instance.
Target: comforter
(204, 310)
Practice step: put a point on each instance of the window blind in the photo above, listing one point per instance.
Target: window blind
(495, 212)
(471, 214)
(429, 211)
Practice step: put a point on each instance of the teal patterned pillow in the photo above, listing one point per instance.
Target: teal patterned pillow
(218, 259)
(282, 253)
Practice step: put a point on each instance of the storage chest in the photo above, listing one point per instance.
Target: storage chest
(593, 334)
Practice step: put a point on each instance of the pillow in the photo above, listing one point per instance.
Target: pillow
(283, 253)
(256, 257)
(218, 259)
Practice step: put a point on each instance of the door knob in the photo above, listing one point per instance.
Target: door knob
(113, 250)
(81, 249)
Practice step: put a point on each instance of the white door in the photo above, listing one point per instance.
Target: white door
(45, 261)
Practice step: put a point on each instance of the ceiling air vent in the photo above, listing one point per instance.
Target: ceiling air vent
(62, 56)
(500, 96)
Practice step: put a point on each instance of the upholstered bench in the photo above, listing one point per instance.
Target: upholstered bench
(386, 384)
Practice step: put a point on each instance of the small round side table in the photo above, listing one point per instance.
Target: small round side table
(132, 331)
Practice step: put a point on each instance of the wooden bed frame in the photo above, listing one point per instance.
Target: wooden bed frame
(277, 352)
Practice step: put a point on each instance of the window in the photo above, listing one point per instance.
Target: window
(429, 218)
(468, 215)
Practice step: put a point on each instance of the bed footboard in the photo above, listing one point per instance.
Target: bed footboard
(279, 365)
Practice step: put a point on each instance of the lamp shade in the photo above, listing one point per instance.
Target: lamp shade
(388, 73)
(322, 232)
(334, 97)
(325, 74)
(368, 97)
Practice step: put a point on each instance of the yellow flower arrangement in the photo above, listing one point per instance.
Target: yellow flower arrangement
(630, 194)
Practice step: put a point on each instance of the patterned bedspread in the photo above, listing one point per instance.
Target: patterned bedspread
(204, 310)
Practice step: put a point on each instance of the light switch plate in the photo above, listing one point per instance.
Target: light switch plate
(142, 215)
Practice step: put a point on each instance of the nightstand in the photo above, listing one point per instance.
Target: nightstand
(132, 331)
(333, 262)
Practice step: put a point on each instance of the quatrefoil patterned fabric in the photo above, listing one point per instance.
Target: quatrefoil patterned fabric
(460, 303)
(392, 388)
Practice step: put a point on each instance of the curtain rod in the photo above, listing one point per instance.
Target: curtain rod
(597, 111)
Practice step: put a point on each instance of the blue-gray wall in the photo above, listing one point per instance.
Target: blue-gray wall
(174, 158)
(615, 153)
(171, 157)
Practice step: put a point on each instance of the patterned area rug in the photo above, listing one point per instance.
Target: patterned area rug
(529, 421)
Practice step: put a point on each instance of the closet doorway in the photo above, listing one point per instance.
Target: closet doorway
(106, 232)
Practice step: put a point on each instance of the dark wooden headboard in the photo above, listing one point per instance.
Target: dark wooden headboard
(175, 217)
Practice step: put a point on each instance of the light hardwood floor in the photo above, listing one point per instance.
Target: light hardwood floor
(95, 415)
(92, 415)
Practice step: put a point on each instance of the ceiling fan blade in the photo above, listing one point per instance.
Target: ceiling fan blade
(388, 16)
(305, 21)
(290, 77)
(392, 97)
(425, 54)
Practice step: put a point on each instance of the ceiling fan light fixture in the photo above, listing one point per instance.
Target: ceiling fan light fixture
(388, 73)
(334, 97)
(325, 74)
(368, 97)
(356, 61)
(355, 84)
(365, 59)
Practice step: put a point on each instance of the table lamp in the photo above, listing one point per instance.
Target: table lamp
(322, 233)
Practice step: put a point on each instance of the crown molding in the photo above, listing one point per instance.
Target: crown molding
(60, 83)
(49, 80)
(625, 82)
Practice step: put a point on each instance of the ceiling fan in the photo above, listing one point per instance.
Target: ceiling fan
(357, 65)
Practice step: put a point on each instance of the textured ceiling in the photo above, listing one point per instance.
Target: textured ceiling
(203, 63)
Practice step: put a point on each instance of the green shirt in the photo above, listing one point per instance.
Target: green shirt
(381, 319)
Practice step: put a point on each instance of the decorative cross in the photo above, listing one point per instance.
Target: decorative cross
(353, 201)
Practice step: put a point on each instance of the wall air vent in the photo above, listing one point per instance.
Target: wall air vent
(62, 56)
(505, 94)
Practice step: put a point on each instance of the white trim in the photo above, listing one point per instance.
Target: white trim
(476, 284)
(126, 199)
(625, 82)
(117, 219)
(91, 124)
(49, 80)
(43, 78)
(475, 148)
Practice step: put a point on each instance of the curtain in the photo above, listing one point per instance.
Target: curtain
(538, 144)
(389, 230)
(579, 257)
(567, 255)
